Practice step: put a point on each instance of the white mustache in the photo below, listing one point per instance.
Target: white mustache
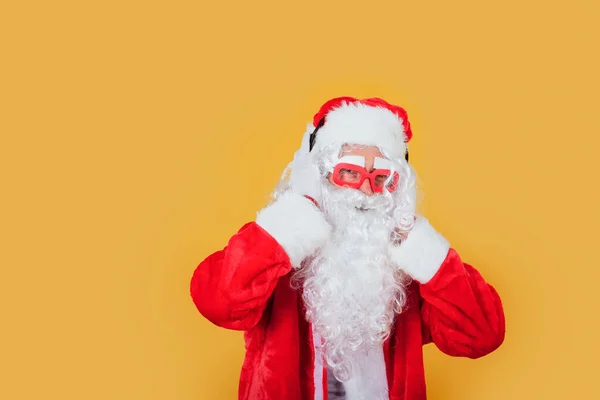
(356, 198)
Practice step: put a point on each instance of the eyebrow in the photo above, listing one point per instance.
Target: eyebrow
(355, 160)
(361, 161)
(382, 163)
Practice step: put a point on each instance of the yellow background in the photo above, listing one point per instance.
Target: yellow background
(137, 136)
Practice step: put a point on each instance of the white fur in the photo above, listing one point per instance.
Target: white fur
(365, 125)
(297, 225)
(318, 367)
(422, 253)
(369, 382)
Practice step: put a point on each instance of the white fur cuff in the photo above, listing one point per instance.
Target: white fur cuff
(297, 225)
(422, 253)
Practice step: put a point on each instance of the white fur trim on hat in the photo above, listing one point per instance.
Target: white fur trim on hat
(357, 123)
(422, 253)
(297, 225)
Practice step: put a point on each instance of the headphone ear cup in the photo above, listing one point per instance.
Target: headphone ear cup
(313, 136)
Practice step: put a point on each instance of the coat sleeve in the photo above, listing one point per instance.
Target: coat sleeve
(231, 287)
(461, 313)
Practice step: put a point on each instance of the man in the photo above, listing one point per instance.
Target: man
(339, 283)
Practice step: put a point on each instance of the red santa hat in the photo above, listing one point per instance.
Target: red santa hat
(370, 122)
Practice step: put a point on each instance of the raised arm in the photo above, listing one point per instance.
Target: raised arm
(461, 313)
(231, 287)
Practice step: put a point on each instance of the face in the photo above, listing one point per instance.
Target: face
(369, 153)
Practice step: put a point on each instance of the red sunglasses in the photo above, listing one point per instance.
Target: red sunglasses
(353, 176)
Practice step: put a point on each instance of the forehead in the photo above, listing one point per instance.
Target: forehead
(361, 150)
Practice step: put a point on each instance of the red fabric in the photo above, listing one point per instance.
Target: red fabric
(373, 102)
(313, 200)
(246, 286)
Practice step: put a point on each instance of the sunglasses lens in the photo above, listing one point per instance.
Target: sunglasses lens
(348, 175)
(391, 183)
(380, 180)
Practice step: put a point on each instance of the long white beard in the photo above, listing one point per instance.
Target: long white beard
(352, 290)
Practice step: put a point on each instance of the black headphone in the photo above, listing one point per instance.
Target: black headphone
(313, 138)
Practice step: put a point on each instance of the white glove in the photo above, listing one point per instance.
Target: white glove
(305, 178)
(297, 225)
(423, 251)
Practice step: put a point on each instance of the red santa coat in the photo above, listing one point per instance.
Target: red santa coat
(246, 287)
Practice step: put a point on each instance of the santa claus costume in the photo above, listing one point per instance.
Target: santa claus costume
(337, 291)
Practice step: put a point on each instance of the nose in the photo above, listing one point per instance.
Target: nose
(366, 188)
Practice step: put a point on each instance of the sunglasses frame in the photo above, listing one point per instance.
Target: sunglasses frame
(365, 175)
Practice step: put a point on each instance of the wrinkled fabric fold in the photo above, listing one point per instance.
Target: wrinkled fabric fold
(247, 286)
